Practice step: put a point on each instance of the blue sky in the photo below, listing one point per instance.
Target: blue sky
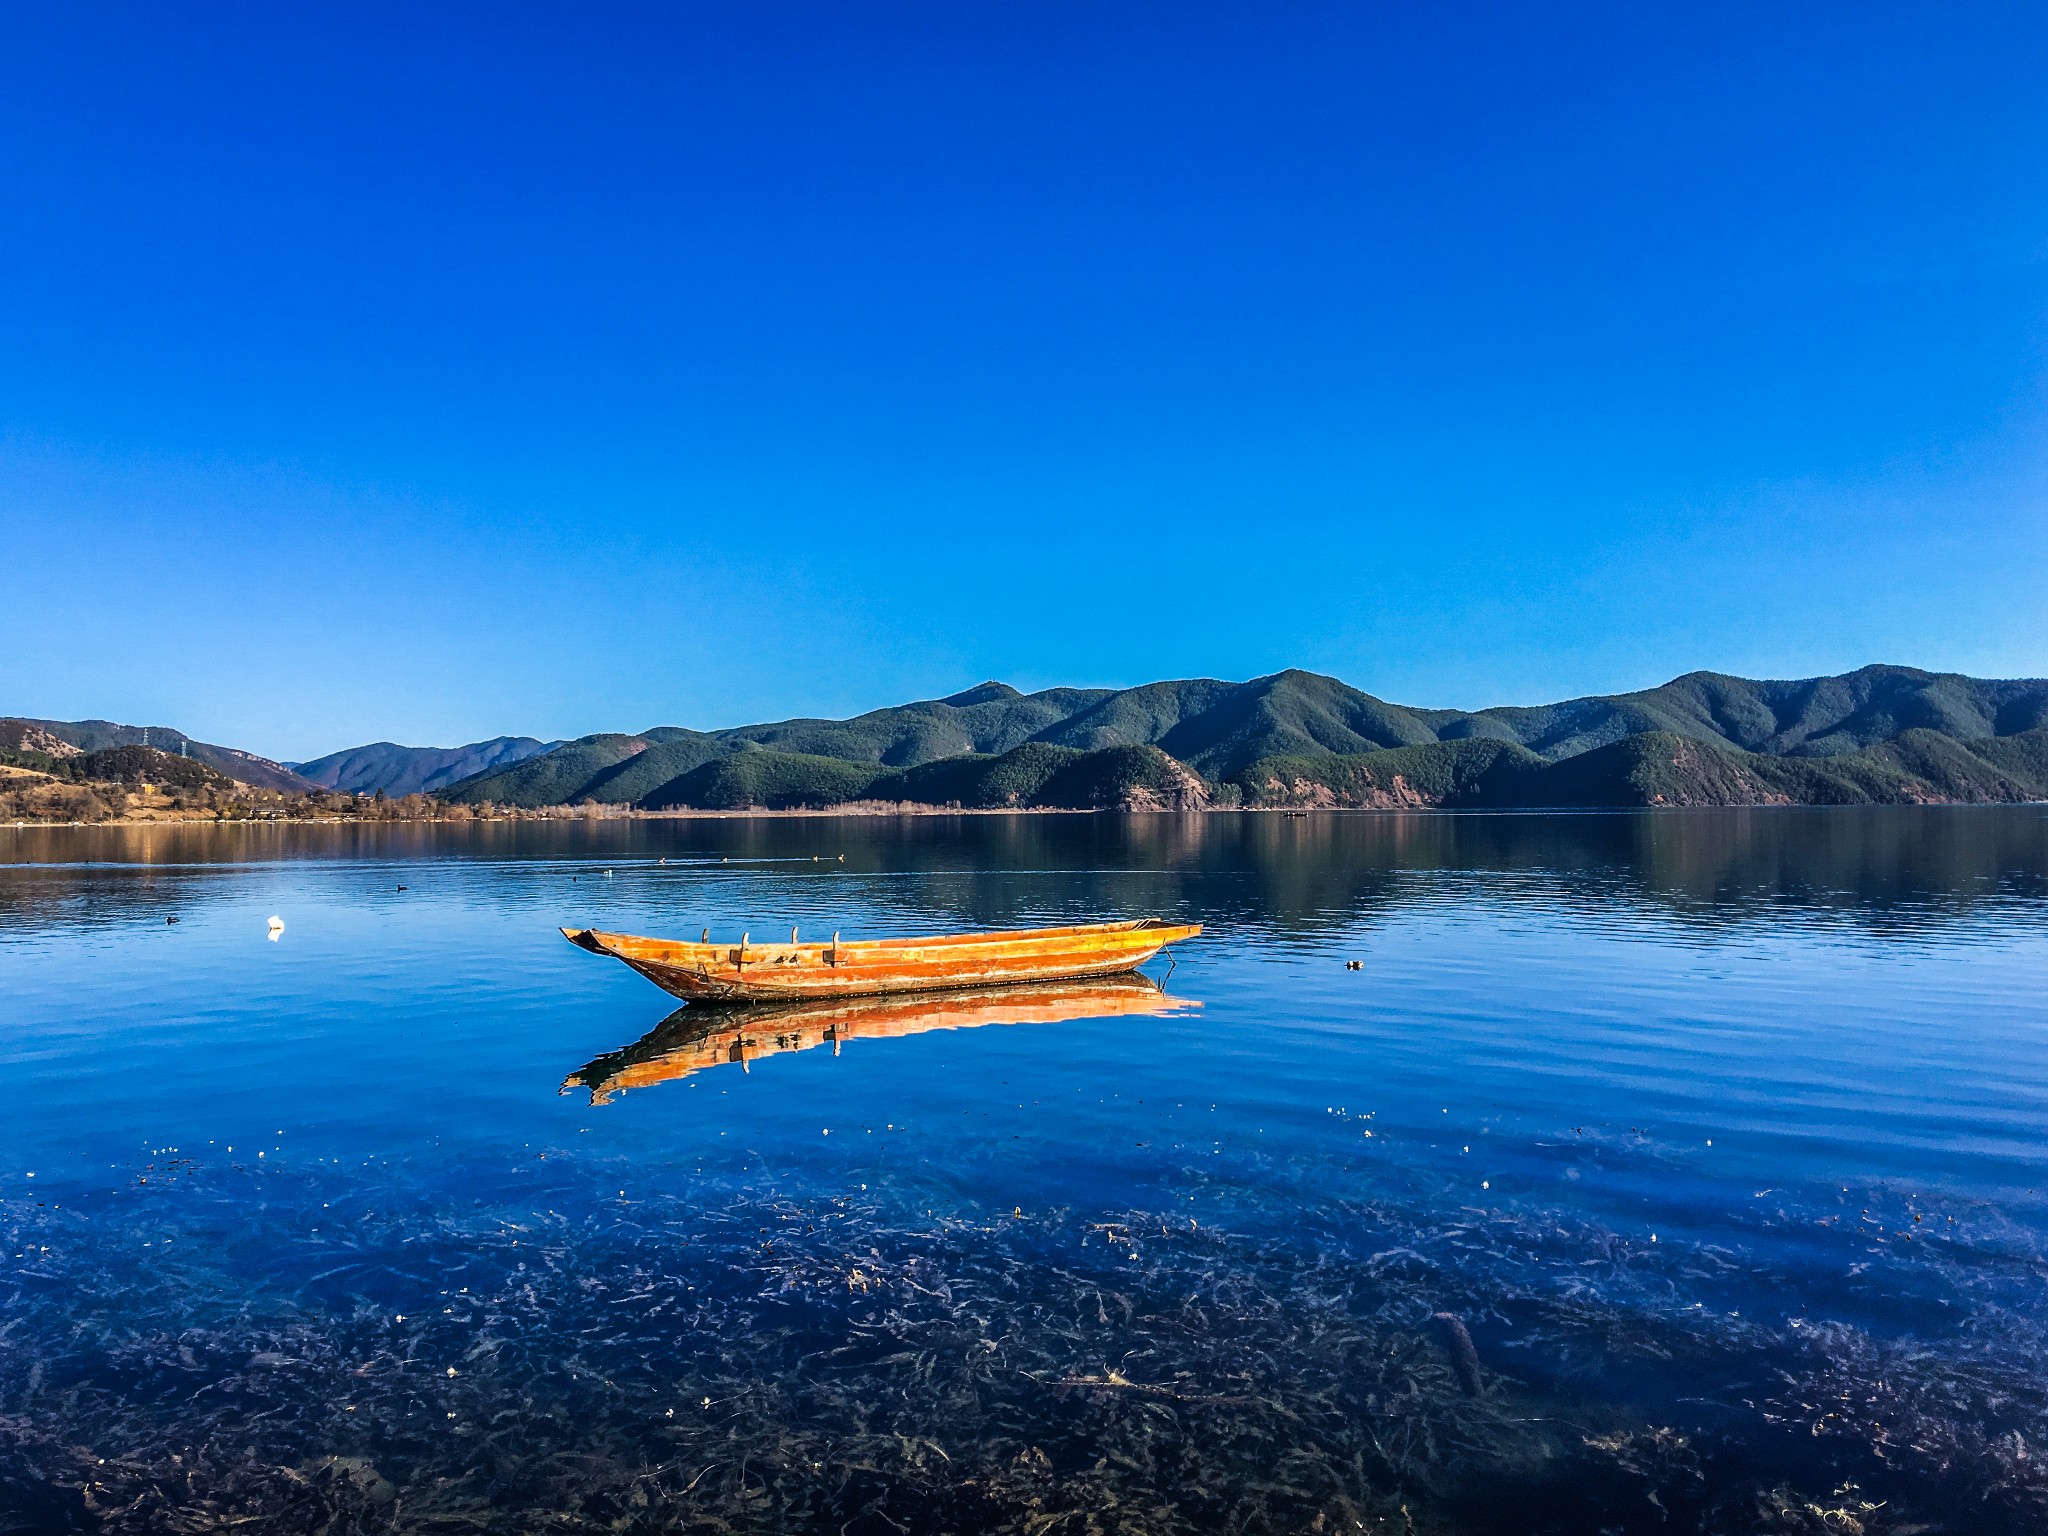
(432, 372)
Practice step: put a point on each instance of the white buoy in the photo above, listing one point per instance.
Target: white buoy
(276, 928)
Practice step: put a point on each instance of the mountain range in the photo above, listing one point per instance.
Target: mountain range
(400, 770)
(1882, 734)
(1878, 734)
(62, 738)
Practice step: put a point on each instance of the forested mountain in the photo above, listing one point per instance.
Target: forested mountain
(1301, 738)
(1657, 768)
(415, 770)
(1810, 717)
(1880, 734)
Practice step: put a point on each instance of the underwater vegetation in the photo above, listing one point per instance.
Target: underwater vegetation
(310, 1349)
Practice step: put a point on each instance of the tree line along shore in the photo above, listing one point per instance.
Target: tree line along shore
(135, 784)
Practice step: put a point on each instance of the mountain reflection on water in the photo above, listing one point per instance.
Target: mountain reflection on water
(1720, 1136)
(696, 1038)
(1881, 867)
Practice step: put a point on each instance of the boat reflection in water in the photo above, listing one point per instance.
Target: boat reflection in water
(696, 1038)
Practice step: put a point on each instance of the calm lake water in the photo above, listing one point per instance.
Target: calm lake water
(1724, 1137)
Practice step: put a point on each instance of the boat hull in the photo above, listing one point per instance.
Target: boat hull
(755, 973)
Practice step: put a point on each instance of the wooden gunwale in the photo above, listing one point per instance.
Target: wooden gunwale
(751, 971)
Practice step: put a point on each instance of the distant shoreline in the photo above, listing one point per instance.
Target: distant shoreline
(927, 812)
(608, 814)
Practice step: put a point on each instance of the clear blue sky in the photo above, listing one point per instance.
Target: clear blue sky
(430, 372)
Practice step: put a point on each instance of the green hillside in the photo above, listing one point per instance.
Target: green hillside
(1809, 717)
(399, 770)
(1035, 775)
(1659, 768)
(668, 756)
(1291, 712)
(1140, 778)
(1438, 773)
(1886, 732)
(1214, 727)
(565, 776)
(1888, 719)
(983, 781)
(988, 720)
(1141, 716)
(776, 781)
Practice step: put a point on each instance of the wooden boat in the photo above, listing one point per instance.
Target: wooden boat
(793, 972)
(698, 1038)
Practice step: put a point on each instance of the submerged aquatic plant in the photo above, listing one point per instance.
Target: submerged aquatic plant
(293, 1351)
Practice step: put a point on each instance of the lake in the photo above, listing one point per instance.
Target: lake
(1721, 1136)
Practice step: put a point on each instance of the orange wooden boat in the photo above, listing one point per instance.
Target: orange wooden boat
(793, 972)
(693, 1040)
